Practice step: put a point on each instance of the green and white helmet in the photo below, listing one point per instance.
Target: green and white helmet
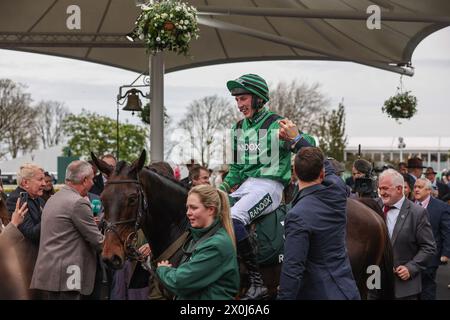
(250, 84)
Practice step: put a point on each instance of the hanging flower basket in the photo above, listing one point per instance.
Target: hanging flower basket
(167, 25)
(401, 106)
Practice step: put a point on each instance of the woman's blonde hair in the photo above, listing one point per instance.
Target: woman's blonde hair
(212, 197)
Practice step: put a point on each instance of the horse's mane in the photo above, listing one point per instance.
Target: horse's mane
(164, 179)
(119, 167)
(166, 217)
(166, 175)
(162, 169)
(372, 204)
(4, 215)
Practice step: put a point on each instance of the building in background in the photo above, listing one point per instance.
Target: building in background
(45, 158)
(434, 151)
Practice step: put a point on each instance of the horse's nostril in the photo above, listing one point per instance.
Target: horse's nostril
(114, 262)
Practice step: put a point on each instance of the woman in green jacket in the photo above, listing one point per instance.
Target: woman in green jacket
(209, 269)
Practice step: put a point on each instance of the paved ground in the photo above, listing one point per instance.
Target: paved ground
(443, 280)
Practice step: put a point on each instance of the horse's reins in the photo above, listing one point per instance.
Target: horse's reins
(129, 245)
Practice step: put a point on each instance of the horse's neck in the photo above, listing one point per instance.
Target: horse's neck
(4, 216)
(166, 215)
(161, 232)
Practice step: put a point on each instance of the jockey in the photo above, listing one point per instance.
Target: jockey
(260, 169)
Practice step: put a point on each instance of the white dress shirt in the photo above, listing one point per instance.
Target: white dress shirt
(392, 215)
(424, 203)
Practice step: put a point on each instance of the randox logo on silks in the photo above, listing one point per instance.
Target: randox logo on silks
(262, 204)
(249, 147)
(256, 147)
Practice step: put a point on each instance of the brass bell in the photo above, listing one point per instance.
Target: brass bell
(133, 102)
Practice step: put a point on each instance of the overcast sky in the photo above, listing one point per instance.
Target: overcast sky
(364, 89)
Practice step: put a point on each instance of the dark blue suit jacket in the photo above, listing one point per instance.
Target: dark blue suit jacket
(31, 225)
(439, 216)
(316, 263)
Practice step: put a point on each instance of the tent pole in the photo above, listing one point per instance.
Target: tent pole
(321, 14)
(156, 65)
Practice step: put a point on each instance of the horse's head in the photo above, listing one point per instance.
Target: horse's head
(123, 201)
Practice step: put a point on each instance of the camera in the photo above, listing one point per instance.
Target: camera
(365, 187)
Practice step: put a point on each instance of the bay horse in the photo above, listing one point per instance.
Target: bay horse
(137, 197)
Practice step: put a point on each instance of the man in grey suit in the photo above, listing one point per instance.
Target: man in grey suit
(439, 216)
(66, 263)
(411, 235)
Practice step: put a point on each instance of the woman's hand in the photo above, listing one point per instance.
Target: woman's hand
(288, 130)
(19, 214)
(164, 263)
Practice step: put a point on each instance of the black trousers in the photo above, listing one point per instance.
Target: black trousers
(60, 295)
(429, 284)
(102, 283)
(413, 297)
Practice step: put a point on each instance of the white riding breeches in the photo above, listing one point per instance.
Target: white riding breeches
(258, 196)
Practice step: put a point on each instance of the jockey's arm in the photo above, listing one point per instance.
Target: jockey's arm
(232, 179)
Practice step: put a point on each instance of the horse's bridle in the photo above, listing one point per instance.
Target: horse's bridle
(129, 245)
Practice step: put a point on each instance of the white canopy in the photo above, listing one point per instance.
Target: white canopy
(231, 31)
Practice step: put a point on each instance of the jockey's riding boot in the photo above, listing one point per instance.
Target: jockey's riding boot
(257, 290)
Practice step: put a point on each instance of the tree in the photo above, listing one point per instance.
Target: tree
(145, 114)
(332, 138)
(50, 117)
(169, 144)
(89, 131)
(303, 104)
(24, 139)
(205, 119)
(17, 119)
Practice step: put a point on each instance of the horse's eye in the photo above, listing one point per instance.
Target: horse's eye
(131, 200)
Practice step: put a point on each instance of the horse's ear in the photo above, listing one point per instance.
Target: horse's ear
(102, 165)
(138, 164)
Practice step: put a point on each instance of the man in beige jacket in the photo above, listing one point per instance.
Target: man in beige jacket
(70, 239)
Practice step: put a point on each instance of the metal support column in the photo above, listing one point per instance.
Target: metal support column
(157, 107)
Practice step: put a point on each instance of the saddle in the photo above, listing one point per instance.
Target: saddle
(267, 232)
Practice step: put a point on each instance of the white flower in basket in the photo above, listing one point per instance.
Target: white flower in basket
(401, 106)
(167, 25)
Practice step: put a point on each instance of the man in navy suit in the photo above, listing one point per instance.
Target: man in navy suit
(439, 216)
(316, 263)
